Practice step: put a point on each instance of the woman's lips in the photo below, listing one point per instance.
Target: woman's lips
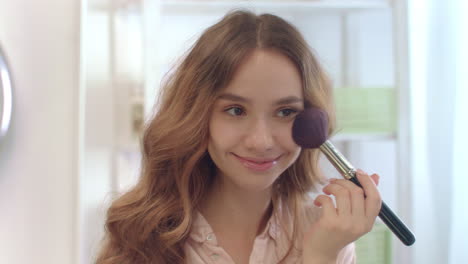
(257, 164)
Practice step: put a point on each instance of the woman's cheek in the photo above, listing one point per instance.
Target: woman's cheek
(285, 136)
(228, 129)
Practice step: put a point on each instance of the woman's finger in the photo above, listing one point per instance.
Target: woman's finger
(342, 197)
(373, 200)
(357, 196)
(327, 205)
(375, 178)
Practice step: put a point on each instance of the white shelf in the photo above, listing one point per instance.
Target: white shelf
(340, 137)
(116, 5)
(210, 6)
(193, 6)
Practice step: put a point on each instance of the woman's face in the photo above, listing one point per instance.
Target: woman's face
(251, 123)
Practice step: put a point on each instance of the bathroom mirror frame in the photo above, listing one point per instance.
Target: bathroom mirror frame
(6, 95)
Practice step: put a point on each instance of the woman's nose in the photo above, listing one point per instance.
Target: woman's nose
(259, 136)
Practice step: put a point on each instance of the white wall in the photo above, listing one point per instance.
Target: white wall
(38, 159)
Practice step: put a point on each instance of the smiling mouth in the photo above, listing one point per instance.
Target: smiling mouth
(258, 165)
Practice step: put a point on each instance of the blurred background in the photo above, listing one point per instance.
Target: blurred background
(85, 76)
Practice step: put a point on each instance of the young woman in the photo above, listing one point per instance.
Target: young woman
(222, 179)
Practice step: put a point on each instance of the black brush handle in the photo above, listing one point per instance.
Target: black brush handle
(392, 221)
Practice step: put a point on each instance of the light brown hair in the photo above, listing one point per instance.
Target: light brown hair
(151, 222)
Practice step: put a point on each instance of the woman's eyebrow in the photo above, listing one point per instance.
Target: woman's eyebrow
(236, 98)
(233, 97)
(289, 100)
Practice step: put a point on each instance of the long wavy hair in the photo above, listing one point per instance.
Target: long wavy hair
(151, 222)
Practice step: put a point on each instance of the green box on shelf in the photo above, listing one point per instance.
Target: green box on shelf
(366, 110)
(375, 247)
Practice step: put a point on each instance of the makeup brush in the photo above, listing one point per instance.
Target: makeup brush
(310, 130)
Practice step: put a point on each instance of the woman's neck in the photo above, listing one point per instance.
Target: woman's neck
(243, 212)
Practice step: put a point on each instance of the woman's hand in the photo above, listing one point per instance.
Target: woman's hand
(353, 216)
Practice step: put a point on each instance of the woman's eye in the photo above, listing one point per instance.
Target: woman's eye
(235, 111)
(287, 112)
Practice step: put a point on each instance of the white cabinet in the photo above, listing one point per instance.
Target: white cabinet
(362, 45)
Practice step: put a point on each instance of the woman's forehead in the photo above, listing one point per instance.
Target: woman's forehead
(268, 74)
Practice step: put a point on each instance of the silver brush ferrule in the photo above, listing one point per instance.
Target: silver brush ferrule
(338, 160)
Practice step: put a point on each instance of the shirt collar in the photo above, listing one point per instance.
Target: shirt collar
(202, 232)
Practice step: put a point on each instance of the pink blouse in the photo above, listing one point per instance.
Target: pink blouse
(269, 247)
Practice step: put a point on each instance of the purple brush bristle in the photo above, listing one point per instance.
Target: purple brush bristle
(310, 129)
